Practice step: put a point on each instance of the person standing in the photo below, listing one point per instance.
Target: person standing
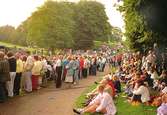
(58, 67)
(103, 61)
(19, 70)
(36, 70)
(12, 66)
(81, 64)
(70, 72)
(65, 62)
(94, 66)
(85, 68)
(4, 76)
(76, 70)
(28, 72)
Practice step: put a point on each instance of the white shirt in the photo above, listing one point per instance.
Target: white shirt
(58, 63)
(144, 92)
(164, 90)
(106, 102)
(29, 63)
(103, 60)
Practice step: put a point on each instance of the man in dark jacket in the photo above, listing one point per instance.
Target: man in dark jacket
(4, 76)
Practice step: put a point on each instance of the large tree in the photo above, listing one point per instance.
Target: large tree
(91, 24)
(67, 25)
(15, 36)
(52, 25)
(6, 33)
(145, 23)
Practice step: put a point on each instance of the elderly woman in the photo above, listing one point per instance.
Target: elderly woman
(103, 103)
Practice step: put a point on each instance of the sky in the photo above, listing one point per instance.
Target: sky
(13, 12)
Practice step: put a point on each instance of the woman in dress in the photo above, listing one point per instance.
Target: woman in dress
(70, 72)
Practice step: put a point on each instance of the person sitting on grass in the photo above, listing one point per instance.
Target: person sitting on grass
(141, 93)
(109, 87)
(157, 101)
(162, 110)
(117, 84)
(103, 103)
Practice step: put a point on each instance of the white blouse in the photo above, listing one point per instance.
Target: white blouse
(144, 92)
(106, 102)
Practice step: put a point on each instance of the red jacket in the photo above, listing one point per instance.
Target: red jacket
(81, 63)
(112, 86)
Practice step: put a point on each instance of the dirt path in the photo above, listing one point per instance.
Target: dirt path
(48, 101)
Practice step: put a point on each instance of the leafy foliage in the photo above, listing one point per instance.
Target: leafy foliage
(145, 22)
(91, 24)
(11, 35)
(52, 25)
(61, 25)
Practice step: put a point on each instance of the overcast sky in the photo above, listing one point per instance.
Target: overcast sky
(13, 12)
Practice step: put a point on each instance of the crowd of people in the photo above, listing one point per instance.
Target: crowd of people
(145, 80)
(24, 72)
(144, 76)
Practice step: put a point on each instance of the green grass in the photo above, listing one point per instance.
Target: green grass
(15, 46)
(123, 107)
(32, 50)
(81, 99)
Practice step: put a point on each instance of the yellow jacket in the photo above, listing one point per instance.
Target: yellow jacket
(36, 70)
(19, 66)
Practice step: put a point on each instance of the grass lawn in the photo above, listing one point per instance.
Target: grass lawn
(15, 46)
(123, 107)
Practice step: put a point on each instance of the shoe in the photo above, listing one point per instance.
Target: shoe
(96, 82)
(78, 111)
(38, 88)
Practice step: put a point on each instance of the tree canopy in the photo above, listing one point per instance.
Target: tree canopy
(62, 25)
(11, 35)
(52, 25)
(145, 23)
(68, 25)
(91, 24)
